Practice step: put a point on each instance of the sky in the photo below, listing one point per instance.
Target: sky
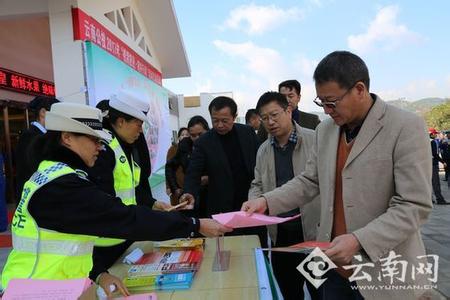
(248, 47)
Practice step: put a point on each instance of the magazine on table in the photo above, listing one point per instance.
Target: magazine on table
(160, 282)
(164, 262)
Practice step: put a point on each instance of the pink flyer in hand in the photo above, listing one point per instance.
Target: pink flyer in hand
(240, 219)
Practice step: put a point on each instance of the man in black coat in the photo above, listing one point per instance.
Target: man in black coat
(445, 151)
(436, 159)
(227, 154)
(38, 107)
(291, 89)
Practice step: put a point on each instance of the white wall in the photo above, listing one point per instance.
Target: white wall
(174, 123)
(185, 113)
(30, 54)
(67, 53)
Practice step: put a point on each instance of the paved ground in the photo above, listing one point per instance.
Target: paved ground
(436, 236)
(435, 233)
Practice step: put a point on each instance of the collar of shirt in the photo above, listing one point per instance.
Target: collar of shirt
(39, 126)
(295, 115)
(351, 134)
(293, 138)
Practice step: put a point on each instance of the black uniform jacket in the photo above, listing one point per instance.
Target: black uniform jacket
(102, 174)
(23, 153)
(71, 204)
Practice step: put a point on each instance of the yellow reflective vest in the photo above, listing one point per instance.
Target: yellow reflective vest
(41, 253)
(126, 179)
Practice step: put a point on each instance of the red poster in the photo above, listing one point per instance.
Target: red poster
(87, 28)
(18, 82)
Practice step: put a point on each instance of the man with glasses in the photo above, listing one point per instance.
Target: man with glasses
(291, 89)
(279, 159)
(371, 165)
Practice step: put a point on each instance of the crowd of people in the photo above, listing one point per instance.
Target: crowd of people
(361, 179)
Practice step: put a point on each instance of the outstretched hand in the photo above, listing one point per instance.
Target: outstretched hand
(212, 228)
(343, 248)
(258, 205)
(189, 198)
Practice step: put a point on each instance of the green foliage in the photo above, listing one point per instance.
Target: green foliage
(439, 117)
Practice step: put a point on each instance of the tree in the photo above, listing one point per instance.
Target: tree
(439, 117)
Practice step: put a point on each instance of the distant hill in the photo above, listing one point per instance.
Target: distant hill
(420, 107)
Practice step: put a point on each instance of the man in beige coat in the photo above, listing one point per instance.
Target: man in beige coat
(281, 157)
(371, 164)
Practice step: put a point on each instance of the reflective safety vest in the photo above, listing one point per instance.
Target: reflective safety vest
(41, 253)
(126, 179)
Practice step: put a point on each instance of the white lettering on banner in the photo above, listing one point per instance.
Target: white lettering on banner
(87, 28)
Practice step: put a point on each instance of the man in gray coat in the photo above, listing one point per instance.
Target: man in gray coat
(279, 159)
(371, 164)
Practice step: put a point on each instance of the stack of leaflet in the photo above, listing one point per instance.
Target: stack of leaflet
(181, 244)
(171, 267)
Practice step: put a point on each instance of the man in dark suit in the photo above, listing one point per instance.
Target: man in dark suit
(445, 152)
(436, 159)
(227, 154)
(38, 107)
(291, 89)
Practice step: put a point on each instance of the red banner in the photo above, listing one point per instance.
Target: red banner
(87, 28)
(18, 82)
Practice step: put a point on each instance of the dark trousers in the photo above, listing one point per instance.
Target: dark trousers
(437, 184)
(337, 287)
(285, 265)
(447, 171)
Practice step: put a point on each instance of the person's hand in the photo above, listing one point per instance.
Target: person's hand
(189, 198)
(258, 205)
(168, 192)
(160, 205)
(105, 280)
(178, 193)
(212, 228)
(204, 180)
(343, 248)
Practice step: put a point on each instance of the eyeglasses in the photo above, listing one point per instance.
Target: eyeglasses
(332, 104)
(274, 116)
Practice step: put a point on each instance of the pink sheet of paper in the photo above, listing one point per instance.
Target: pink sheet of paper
(150, 296)
(240, 219)
(28, 289)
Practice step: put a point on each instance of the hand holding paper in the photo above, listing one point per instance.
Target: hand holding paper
(258, 205)
(240, 219)
(180, 205)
